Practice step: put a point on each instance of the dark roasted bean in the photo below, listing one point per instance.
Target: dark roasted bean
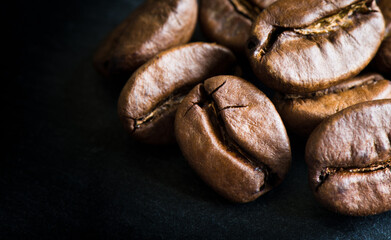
(349, 159)
(233, 137)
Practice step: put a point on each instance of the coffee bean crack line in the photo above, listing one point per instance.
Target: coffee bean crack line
(332, 90)
(326, 25)
(214, 115)
(232, 146)
(334, 22)
(337, 170)
(171, 102)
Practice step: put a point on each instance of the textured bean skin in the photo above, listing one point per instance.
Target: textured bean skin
(232, 136)
(304, 46)
(302, 113)
(149, 99)
(154, 26)
(349, 159)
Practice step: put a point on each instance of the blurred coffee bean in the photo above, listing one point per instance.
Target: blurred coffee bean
(154, 26)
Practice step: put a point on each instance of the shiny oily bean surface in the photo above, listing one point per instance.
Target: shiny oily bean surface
(154, 26)
(149, 99)
(232, 136)
(306, 46)
(349, 159)
(382, 60)
(302, 113)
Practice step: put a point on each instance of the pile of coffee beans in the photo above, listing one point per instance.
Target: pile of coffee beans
(326, 61)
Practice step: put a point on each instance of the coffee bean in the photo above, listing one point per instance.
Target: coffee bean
(154, 26)
(305, 46)
(385, 7)
(149, 99)
(382, 61)
(349, 159)
(302, 113)
(233, 137)
(228, 22)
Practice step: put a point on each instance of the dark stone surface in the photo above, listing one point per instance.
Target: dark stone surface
(70, 171)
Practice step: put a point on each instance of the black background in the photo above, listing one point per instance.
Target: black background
(70, 171)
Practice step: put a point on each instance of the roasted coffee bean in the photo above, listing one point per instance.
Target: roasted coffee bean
(385, 7)
(148, 101)
(233, 137)
(382, 61)
(228, 22)
(154, 26)
(305, 46)
(302, 113)
(349, 159)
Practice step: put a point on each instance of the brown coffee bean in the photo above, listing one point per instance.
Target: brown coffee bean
(233, 137)
(228, 22)
(385, 7)
(305, 46)
(382, 61)
(349, 159)
(149, 99)
(154, 26)
(302, 113)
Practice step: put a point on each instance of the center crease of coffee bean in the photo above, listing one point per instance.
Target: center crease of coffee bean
(325, 25)
(213, 113)
(336, 21)
(171, 102)
(246, 8)
(334, 170)
(330, 90)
